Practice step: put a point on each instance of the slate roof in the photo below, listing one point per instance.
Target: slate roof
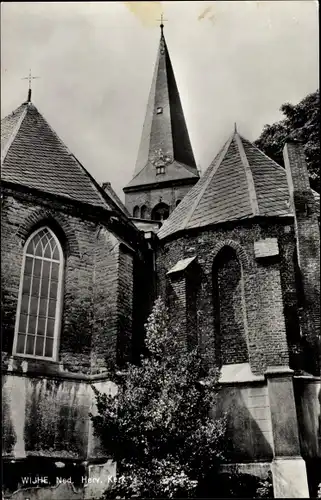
(107, 187)
(34, 156)
(241, 183)
(165, 131)
(181, 265)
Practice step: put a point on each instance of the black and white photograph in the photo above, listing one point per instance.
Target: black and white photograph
(160, 250)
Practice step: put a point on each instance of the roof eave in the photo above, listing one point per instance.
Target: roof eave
(91, 212)
(156, 185)
(252, 219)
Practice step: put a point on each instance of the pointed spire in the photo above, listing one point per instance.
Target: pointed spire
(165, 134)
(235, 128)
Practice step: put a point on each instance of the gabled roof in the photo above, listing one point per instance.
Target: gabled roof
(34, 156)
(241, 183)
(107, 187)
(165, 136)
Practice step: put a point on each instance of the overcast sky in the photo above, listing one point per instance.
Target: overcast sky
(233, 62)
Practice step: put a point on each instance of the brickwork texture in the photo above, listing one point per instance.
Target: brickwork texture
(98, 283)
(254, 315)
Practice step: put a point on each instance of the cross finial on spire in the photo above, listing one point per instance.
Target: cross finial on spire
(235, 128)
(29, 78)
(162, 22)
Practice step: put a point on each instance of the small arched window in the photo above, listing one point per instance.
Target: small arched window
(143, 212)
(136, 212)
(40, 297)
(178, 202)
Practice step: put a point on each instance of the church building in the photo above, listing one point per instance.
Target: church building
(234, 253)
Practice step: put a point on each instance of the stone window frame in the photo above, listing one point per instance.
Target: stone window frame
(59, 302)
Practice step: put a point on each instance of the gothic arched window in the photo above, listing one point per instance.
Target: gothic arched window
(136, 212)
(160, 212)
(40, 297)
(229, 308)
(143, 212)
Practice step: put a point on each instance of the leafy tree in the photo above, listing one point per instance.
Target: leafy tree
(158, 428)
(301, 122)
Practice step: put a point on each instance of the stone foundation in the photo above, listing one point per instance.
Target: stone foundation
(290, 478)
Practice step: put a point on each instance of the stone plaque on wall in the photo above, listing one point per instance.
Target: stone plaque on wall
(266, 248)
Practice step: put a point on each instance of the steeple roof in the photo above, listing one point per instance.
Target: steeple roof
(165, 139)
(241, 183)
(34, 156)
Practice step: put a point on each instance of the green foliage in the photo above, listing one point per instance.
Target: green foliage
(265, 488)
(158, 426)
(301, 122)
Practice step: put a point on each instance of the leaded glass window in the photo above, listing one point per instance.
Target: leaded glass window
(39, 304)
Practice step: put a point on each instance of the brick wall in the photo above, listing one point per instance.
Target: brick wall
(308, 248)
(98, 281)
(151, 197)
(269, 285)
(182, 289)
(177, 301)
(229, 308)
(125, 305)
(105, 294)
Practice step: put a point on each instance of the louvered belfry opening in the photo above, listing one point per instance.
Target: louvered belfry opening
(160, 212)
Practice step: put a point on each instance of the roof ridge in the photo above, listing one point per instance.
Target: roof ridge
(108, 189)
(41, 160)
(275, 164)
(248, 174)
(207, 180)
(13, 135)
(95, 184)
(79, 164)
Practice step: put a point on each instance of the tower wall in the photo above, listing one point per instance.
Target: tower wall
(150, 197)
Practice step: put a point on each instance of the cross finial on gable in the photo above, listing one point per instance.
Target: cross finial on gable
(29, 78)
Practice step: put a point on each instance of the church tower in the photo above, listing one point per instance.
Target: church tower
(165, 168)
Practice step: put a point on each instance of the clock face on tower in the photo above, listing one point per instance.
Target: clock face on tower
(161, 159)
